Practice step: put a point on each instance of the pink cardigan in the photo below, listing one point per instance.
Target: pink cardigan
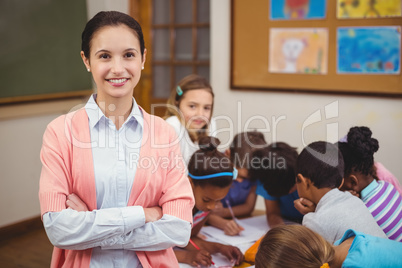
(67, 167)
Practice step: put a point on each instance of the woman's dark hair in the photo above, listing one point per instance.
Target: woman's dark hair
(276, 168)
(358, 151)
(242, 147)
(109, 18)
(208, 160)
(322, 163)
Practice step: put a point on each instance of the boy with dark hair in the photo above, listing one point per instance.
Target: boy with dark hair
(275, 166)
(320, 169)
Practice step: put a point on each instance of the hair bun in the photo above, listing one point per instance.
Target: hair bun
(360, 140)
(208, 143)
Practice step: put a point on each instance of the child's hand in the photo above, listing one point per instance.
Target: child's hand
(354, 193)
(201, 236)
(74, 202)
(232, 228)
(232, 253)
(304, 205)
(199, 257)
(218, 210)
(153, 214)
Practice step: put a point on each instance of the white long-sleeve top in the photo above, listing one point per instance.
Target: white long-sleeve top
(187, 146)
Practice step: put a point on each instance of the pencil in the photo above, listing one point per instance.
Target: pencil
(198, 248)
(194, 244)
(231, 211)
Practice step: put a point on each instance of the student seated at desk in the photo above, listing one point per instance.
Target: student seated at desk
(210, 173)
(274, 167)
(320, 169)
(242, 196)
(359, 147)
(381, 198)
(289, 246)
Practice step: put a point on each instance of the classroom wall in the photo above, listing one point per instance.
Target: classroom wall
(297, 118)
(94, 6)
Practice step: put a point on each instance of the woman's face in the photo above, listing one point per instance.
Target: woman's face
(115, 61)
(208, 196)
(196, 106)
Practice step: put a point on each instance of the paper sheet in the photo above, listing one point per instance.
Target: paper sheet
(254, 228)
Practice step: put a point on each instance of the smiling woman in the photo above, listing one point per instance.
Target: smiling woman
(101, 207)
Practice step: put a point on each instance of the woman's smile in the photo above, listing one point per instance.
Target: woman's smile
(117, 82)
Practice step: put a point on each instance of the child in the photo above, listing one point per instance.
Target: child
(319, 175)
(275, 170)
(242, 195)
(211, 173)
(377, 169)
(381, 198)
(310, 250)
(189, 111)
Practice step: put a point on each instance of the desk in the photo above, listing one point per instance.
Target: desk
(255, 227)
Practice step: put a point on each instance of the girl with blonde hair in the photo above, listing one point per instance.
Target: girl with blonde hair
(289, 246)
(189, 111)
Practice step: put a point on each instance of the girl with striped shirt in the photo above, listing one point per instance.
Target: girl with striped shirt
(380, 197)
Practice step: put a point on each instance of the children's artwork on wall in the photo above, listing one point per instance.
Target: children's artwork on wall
(368, 8)
(369, 50)
(298, 50)
(297, 9)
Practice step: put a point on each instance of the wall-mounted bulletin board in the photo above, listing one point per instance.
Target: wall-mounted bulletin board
(328, 46)
(40, 50)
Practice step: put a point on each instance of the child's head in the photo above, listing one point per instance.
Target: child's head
(289, 246)
(276, 168)
(322, 164)
(358, 154)
(192, 101)
(211, 174)
(241, 150)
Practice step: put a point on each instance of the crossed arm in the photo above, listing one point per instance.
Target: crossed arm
(131, 228)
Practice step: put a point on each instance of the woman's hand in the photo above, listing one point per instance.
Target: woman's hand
(232, 228)
(74, 202)
(304, 205)
(153, 214)
(232, 253)
(199, 258)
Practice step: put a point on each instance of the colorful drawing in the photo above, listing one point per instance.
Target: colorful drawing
(369, 50)
(368, 8)
(297, 9)
(298, 50)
